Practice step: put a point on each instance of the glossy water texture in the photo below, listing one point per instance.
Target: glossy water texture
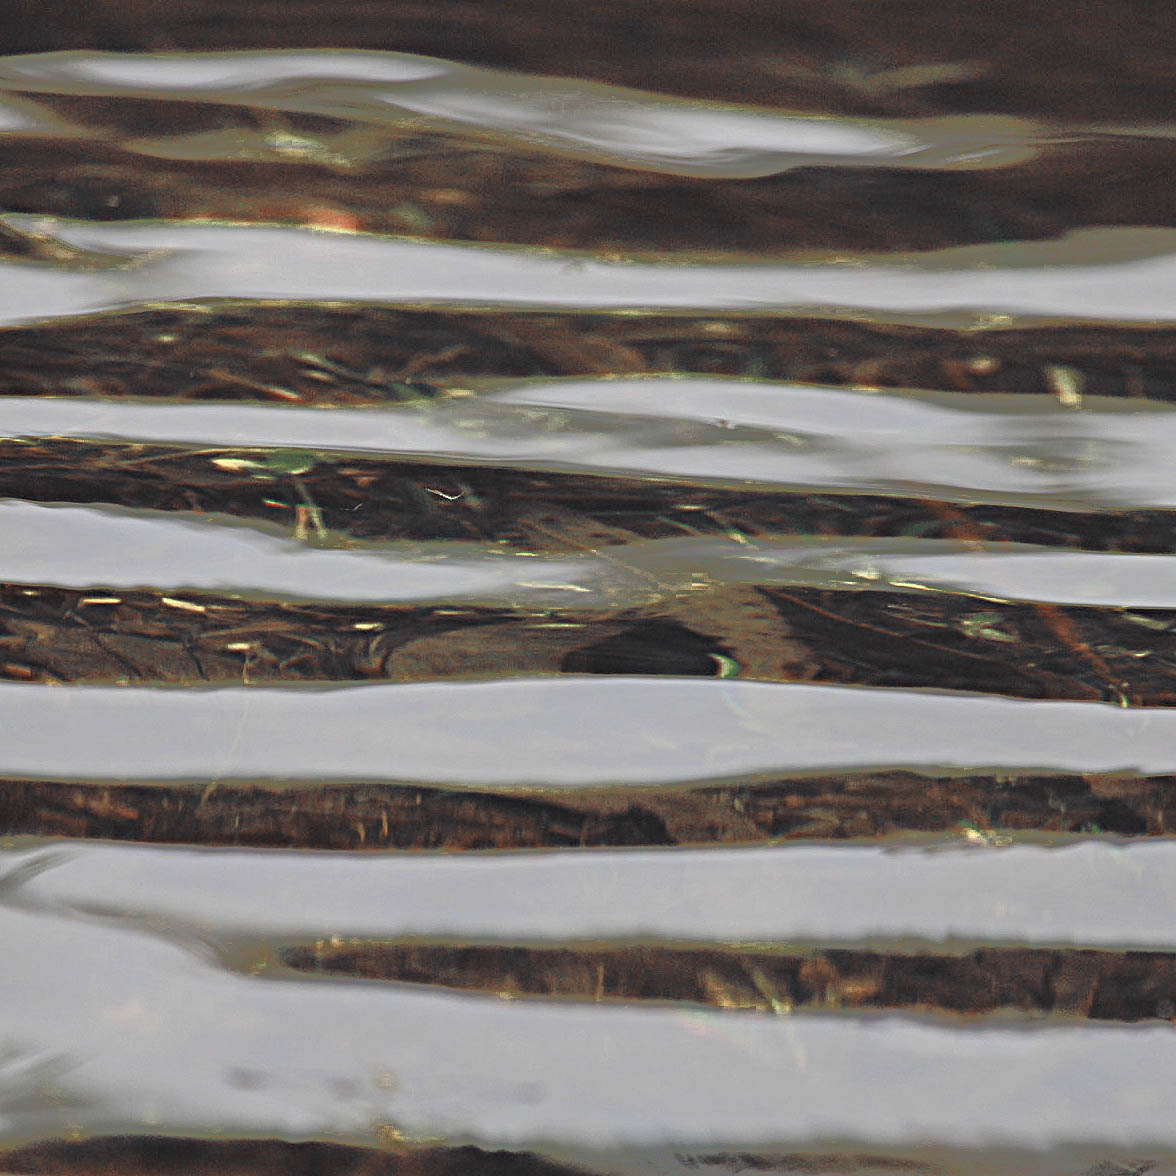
(587, 591)
(552, 731)
(606, 122)
(1118, 275)
(1099, 895)
(434, 1065)
(952, 447)
(100, 549)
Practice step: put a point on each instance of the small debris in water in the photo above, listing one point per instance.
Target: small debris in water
(185, 605)
(1066, 384)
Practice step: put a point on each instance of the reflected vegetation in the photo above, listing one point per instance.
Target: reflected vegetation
(364, 357)
(727, 445)
(167, 1156)
(1115, 986)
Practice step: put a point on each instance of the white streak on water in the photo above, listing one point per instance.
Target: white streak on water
(110, 548)
(1119, 275)
(1016, 451)
(111, 1031)
(558, 732)
(609, 123)
(83, 547)
(1089, 894)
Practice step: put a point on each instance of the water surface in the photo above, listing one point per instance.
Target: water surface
(587, 602)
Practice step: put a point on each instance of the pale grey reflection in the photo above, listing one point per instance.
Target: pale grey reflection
(558, 731)
(160, 1040)
(1001, 572)
(611, 123)
(772, 404)
(342, 151)
(1115, 274)
(21, 115)
(1016, 451)
(88, 547)
(115, 548)
(990, 571)
(1091, 894)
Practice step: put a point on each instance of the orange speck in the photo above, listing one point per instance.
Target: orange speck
(320, 216)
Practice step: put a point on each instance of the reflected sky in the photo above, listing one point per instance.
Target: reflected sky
(1116, 275)
(556, 732)
(614, 124)
(1018, 451)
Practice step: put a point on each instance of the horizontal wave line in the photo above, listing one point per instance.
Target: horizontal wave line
(561, 731)
(218, 1052)
(1118, 275)
(1088, 894)
(589, 120)
(755, 929)
(1016, 451)
(107, 547)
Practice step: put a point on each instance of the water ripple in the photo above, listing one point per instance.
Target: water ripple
(556, 732)
(1086, 894)
(1116, 275)
(1025, 451)
(591, 120)
(104, 548)
(148, 1037)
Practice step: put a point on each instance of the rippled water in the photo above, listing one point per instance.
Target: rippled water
(1120, 274)
(600, 602)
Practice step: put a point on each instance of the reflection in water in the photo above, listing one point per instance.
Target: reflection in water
(85, 548)
(656, 730)
(1120, 275)
(1098, 895)
(79, 547)
(158, 1039)
(593, 121)
(485, 595)
(951, 447)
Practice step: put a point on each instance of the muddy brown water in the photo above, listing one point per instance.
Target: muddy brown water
(587, 588)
